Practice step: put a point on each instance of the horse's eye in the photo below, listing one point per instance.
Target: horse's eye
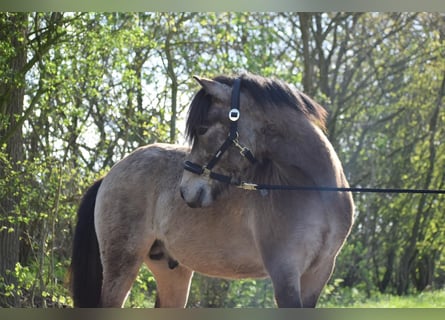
(201, 130)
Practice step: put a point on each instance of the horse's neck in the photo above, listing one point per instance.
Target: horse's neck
(310, 155)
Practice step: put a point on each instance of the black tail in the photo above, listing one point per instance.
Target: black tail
(86, 267)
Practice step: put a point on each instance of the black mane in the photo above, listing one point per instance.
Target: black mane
(264, 91)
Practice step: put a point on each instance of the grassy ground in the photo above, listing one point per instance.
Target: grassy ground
(432, 299)
(259, 294)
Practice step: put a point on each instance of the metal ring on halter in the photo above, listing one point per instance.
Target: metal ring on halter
(234, 115)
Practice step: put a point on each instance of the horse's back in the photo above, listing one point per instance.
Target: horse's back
(145, 170)
(161, 163)
(128, 196)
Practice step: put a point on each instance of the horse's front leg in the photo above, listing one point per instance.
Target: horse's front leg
(284, 261)
(286, 281)
(284, 267)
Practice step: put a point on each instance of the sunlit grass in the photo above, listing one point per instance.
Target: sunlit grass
(431, 299)
(434, 299)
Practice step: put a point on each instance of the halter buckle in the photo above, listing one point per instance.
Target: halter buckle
(248, 186)
(234, 114)
(206, 172)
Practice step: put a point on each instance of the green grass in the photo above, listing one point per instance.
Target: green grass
(431, 299)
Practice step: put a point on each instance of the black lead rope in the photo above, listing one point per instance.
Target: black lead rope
(192, 167)
(253, 186)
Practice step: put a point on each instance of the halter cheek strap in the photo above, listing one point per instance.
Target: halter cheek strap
(232, 139)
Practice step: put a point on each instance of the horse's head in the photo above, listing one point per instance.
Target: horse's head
(223, 136)
(242, 127)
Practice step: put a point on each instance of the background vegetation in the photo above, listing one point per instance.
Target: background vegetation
(79, 91)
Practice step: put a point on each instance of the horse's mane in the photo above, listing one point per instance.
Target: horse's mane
(264, 91)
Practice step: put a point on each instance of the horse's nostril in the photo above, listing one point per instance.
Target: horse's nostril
(193, 204)
(181, 193)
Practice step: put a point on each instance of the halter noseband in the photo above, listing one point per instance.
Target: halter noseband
(232, 139)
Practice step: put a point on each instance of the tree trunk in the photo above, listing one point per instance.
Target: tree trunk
(308, 61)
(174, 87)
(13, 32)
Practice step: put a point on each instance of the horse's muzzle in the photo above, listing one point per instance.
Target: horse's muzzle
(196, 198)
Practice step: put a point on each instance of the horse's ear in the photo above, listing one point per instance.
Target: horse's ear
(199, 80)
(214, 88)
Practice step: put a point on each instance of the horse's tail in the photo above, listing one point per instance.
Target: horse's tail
(86, 267)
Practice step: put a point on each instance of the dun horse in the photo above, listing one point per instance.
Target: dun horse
(148, 209)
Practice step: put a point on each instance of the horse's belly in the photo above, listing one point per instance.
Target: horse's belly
(224, 263)
(215, 241)
(227, 253)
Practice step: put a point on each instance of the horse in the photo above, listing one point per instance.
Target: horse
(182, 209)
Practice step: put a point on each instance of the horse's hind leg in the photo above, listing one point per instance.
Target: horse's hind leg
(122, 251)
(120, 269)
(172, 283)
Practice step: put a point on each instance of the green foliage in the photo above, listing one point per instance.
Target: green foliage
(143, 292)
(247, 293)
(34, 293)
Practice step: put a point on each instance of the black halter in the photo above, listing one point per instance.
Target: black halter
(232, 139)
